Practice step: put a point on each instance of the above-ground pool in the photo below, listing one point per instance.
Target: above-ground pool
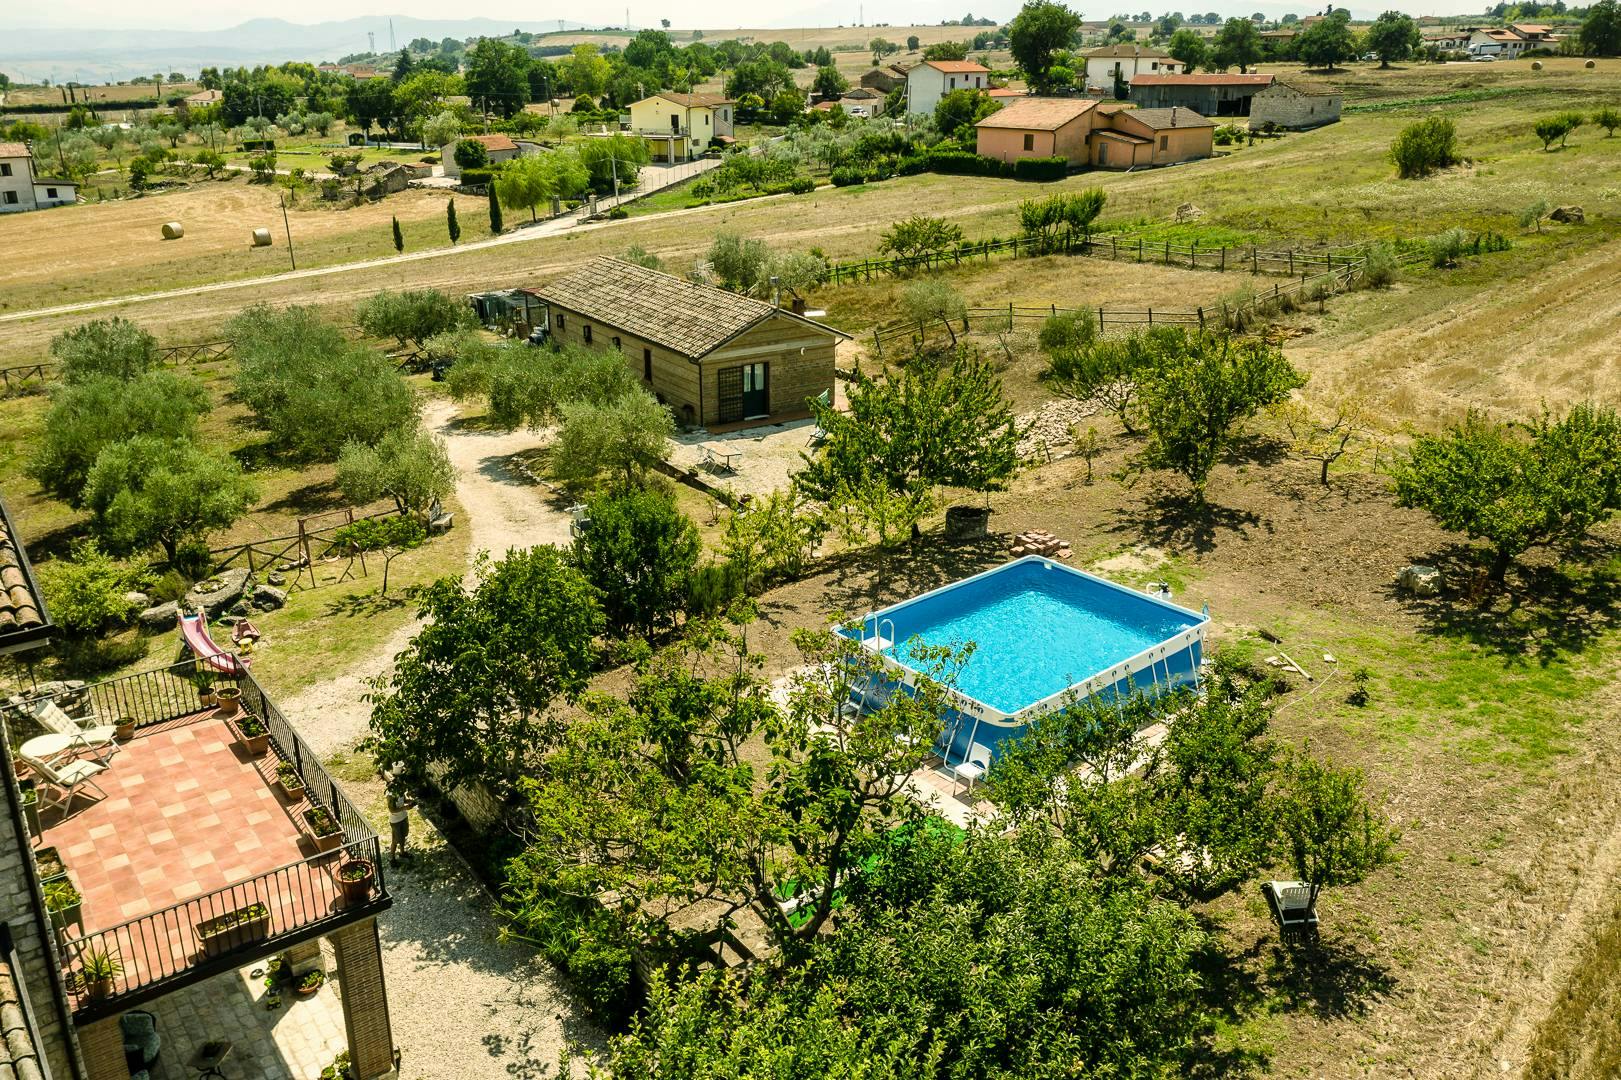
(1043, 634)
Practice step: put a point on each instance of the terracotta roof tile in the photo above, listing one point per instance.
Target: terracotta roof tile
(956, 67)
(1166, 119)
(22, 612)
(13, 149)
(493, 142)
(1256, 79)
(19, 1054)
(696, 100)
(1038, 114)
(1129, 50)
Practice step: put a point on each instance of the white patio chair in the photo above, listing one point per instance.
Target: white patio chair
(98, 738)
(67, 779)
(974, 766)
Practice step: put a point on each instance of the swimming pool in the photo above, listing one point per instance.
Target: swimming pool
(1043, 633)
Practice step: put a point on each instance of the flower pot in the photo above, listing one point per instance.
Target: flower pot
(51, 866)
(124, 730)
(230, 698)
(324, 841)
(31, 810)
(293, 789)
(357, 890)
(207, 698)
(233, 930)
(253, 744)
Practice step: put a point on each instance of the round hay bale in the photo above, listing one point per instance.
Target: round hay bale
(261, 237)
(173, 230)
(1536, 65)
(1590, 65)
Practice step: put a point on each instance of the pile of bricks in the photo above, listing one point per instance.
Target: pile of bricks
(1039, 542)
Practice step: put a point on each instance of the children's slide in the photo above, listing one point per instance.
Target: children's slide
(194, 632)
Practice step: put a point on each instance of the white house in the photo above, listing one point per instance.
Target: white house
(932, 80)
(22, 189)
(1503, 44)
(1122, 63)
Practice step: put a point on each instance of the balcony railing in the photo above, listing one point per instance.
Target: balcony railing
(271, 911)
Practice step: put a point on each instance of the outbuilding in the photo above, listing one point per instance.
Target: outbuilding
(1294, 108)
(1218, 94)
(713, 356)
(1142, 138)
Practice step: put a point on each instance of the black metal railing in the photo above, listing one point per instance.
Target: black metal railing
(219, 929)
(147, 697)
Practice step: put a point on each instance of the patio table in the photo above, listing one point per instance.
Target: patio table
(47, 747)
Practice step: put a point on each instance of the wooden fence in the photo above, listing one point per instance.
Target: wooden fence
(1255, 260)
(298, 552)
(16, 379)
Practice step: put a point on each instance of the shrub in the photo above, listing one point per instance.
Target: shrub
(712, 587)
(87, 590)
(638, 553)
(1040, 169)
(846, 176)
(1382, 269)
(477, 177)
(114, 347)
(412, 316)
(1424, 147)
(471, 154)
(618, 213)
(1445, 249)
(410, 467)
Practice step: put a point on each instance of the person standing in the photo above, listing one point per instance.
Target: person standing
(399, 818)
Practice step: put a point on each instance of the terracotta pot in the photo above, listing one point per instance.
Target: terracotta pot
(230, 698)
(358, 891)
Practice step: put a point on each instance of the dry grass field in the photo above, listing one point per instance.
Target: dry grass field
(1488, 950)
(111, 93)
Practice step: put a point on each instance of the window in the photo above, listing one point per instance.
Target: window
(586, 331)
(617, 346)
(50, 193)
(954, 82)
(11, 198)
(5, 168)
(1154, 66)
(1029, 141)
(1164, 141)
(647, 364)
(559, 322)
(706, 119)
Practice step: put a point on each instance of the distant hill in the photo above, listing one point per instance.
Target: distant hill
(32, 54)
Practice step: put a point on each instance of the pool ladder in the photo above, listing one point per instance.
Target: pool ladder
(879, 642)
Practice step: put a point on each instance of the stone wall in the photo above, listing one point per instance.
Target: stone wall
(1286, 107)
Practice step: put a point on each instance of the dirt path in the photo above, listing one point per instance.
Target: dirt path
(463, 1002)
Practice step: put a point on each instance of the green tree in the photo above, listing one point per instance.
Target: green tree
(1203, 388)
(410, 467)
(939, 422)
(148, 490)
(1425, 146)
(86, 417)
(412, 316)
(1051, 223)
(451, 224)
(1517, 486)
(957, 111)
(933, 300)
(1329, 41)
(1189, 47)
(1601, 30)
(115, 348)
(496, 224)
(946, 50)
(390, 537)
(829, 83)
(88, 592)
(1325, 824)
(497, 76)
(1037, 32)
(210, 161)
(911, 43)
(472, 693)
(918, 236)
(470, 154)
(587, 70)
(618, 437)
(399, 237)
(1609, 119)
(1238, 44)
(638, 553)
(1393, 36)
(442, 130)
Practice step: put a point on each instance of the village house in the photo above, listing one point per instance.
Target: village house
(1499, 43)
(498, 147)
(932, 80)
(860, 102)
(1217, 94)
(21, 188)
(203, 98)
(885, 79)
(1112, 64)
(1084, 132)
(714, 357)
(680, 127)
(1293, 108)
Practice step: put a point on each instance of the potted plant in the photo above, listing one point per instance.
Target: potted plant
(205, 692)
(309, 983)
(354, 879)
(291, 784)
(124, 728)
(251, 732)
(234, 929)
(230, 699)
(64, 903)
(51, 866)
(98, 968)
(323, 828)
(31, 808)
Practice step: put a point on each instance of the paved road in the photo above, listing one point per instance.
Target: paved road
(653, 179)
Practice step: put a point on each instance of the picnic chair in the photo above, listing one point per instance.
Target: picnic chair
(1293, 908)
(974, 765)
(66, 779)
(818, 434)
(97, 738)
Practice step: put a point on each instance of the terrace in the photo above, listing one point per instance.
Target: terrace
(205, 853)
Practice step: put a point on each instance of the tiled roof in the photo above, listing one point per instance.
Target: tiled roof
(1003, 92)
(22, 612)
(690, 101)
(1129, 50)
(19, 1057)
(684, 316)
(493, 142)
(1166, 119)
(1038, 114)
(13, 149)
(1256, 79)
(956, 67)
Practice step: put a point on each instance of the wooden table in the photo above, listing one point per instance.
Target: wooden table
(720, 456)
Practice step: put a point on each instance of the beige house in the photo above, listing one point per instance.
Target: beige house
(1034, 127)
(712, 356)
(1084, 132)
(23, 189)
(498, 147)
(204, 98)
(680, 127)
(1143, 138)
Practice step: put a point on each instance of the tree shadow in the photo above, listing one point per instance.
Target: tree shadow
(366, 604)
(1174, 521)
(307, 500)
(1542, 612)
(1331, 979)
(863, 579)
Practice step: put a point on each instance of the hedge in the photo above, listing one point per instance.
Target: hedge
(847, 176)
(799, 185)
(477, 177)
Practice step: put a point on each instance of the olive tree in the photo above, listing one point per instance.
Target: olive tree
(410, 467)
(638, 552)
(412, 316)
(86, 417)
(148, 490)
(112, 347)
(617, 438)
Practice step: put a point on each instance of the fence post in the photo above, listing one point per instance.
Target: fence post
(1201, 311)
(1224, 259)
(1255, 261)
(1100, 319)
(1193, 256)
(1167, 253)
(1015, 247)
(1150, 316)
(1139, 249)
(877, 342)
(1291, 262)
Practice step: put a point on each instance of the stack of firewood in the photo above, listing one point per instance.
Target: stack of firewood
(1039, 542)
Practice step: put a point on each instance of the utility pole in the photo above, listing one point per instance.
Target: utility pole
(289, 230)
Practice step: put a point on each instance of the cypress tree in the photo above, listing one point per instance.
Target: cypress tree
(451, 222)
(495, 213)
(399, 237)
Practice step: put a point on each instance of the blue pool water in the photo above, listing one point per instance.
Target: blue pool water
(1036, 630)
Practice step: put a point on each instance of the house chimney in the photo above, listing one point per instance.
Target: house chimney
(1173, 115)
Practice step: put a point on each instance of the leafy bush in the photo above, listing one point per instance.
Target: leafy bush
(1425, 146)
(86, 591)
(1040, 169)
(1381, 269)
(86, 417)
(410, 467)
(618, 213)
(114, 347)
(712, 587)
(1445, 249)
(617, 437)
(638, 552)
(799, 185)
(149, 491)
(412, 316)
(847, 176)
(477, 178)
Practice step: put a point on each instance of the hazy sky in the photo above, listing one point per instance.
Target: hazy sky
(215, 15)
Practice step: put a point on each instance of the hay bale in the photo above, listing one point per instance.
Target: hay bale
(1590, 65)
(173, 230)
(1536, 65)
(261, 237)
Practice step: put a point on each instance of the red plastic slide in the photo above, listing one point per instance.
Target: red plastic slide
(194, 632)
